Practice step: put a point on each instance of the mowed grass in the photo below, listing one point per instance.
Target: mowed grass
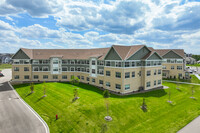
(86, 115)
(193, 79)
(195, 65)
(5, 66)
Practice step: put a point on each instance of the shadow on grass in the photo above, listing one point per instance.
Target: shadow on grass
(40, 99)
(153, 93)
(28, 94)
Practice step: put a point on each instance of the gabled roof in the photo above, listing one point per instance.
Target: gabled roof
(163, 52)
(150, 54)
(66, 53)
(126, 51)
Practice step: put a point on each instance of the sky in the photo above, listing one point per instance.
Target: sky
(69, 24)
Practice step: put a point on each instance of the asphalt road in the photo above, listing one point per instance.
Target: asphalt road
(15, 116)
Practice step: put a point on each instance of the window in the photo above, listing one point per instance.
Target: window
(16, 76)
(45, 76)
(35, 68)
(164, 74)
(64, 61)
(172, 60)
(26, 62)
(154, 82)
(93, 62)
(64, 77)
(72, 62)
(78, 69)
(140, 73)
(35, 62)
(117, 86)
(35, 76)
(78, 62)
(82, 77)
(55, 69)
(127, 75)
(132, 64)
(107, 73)
(93, 71)
(107, 63)
(45, 68)
(55, 76)
(16, 68)
(179, 67)
(26, 77)
(127, 87)
(148, 73)
(93, 80)
(148, 63)
(78, 77)
(87, 70)
(127, 64)
(72, 68)
(179, 61)
(155, 72)
(82, 69)
(118, 64)
(180, 75)
(64, 69)
(101, 82)
(101, 63)
(87, 62)
(55, 61)
(117, 74)
(159, 71)
(164, 67)
(108, 84)
(45, 61)
(101, 71)
(133, 74)
(159, 82)
(148, 84)
(88, 79)
(172, 67)
(138, 63)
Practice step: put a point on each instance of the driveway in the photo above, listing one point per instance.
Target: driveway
(15, 115)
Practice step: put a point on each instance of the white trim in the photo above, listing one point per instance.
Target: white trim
(31, 109)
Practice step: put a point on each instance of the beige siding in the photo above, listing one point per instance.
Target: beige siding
(173, 72)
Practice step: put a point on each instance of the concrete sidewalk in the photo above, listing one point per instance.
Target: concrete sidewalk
(181, 82)
(192, 127)
(197, 75)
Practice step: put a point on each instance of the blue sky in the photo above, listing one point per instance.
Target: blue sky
(100, 23)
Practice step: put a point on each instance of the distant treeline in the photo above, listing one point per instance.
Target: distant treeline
(197, 57)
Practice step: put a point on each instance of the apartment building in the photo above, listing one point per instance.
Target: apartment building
(121, 69)
(174, 63)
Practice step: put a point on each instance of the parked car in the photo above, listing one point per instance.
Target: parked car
(1, 75)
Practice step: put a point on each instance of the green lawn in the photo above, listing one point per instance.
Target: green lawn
(86, 115)
(196, 65)
(5, 66)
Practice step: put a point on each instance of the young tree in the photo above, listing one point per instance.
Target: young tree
(192, 89)
(32, 87)
(76, 94)
(106, 95)
(144, 106)
(74, 80)
(177, 86)
(169, 93)
(44, 89)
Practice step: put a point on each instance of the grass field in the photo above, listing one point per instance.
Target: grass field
(195, 65)
(5, 66)
(86, 115)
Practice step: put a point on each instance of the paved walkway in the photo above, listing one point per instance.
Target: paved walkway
(15, 115)
(181, 82)
(197, 75)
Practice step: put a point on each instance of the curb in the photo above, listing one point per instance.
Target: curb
(32, 110)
